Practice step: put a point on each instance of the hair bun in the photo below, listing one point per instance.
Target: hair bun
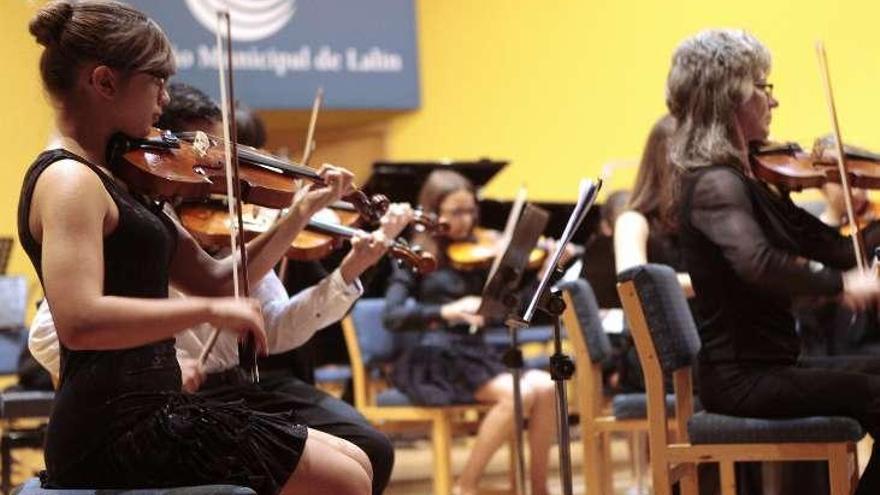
(50, 21)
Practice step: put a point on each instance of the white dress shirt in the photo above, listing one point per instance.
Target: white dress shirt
(290, 322)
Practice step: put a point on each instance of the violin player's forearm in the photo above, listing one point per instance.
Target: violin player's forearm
(110, 322)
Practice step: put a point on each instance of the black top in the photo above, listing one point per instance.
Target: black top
(749, 251)
(120, 419)
(663, 246)
(413, 302)
(600, 270)
(136, 258)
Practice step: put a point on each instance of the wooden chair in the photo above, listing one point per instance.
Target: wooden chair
(370, 346)
(628, 412)
(667, 341)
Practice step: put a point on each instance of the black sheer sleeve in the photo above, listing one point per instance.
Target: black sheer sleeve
(722, 210)
(402, 310)
(825, 244)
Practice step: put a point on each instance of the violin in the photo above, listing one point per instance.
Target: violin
(190, 165)
(789, 166)
(869, 212)
(210, 226)
(481, 250)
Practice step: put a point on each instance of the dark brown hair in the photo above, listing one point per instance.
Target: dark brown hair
(107, 32)
(250, 127)
(656, 182)
(439, 185)
(187, 104)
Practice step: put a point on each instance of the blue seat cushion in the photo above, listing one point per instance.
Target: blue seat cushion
(635, 406)
(333, 374)
(500, 336)
(709, 428)
(538, 362)
(26, 404)
(32, 487)
(392, 397)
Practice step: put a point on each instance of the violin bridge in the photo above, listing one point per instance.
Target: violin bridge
(201, 143)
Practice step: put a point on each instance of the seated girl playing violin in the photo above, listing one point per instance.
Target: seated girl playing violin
(449, 364)
(105, 258)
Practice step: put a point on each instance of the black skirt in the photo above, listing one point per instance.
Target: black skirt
(187, 440)
(446, 368)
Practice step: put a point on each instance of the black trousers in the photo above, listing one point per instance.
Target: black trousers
(815, 386)
(312, 407)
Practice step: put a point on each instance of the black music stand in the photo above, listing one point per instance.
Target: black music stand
(499, 296)
(500, 301)
(402, 181)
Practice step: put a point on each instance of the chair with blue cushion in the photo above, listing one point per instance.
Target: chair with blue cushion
(371, 347)
(333, 378)
(667, 341)
(628, 412)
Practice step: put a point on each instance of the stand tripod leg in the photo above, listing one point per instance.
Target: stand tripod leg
(514, 362)
(519, 426)
(561, 369)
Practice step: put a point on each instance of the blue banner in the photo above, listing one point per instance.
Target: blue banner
(363, 52)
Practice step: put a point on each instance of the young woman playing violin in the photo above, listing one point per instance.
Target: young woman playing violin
(750, 251)
(105, 258)
(448, 364)
(289, 322)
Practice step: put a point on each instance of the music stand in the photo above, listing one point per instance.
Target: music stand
(499, 301)
(402, 181)
(499, 297)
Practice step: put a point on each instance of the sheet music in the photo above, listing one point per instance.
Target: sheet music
(515, 212)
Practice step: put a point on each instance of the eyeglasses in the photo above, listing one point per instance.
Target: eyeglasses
(766, 88)
(459, 212)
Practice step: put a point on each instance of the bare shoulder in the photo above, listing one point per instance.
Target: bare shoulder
(69, 178)
(68, 189)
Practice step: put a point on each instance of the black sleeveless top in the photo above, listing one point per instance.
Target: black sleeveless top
(663, 246)
(120, 419)
(136, 258)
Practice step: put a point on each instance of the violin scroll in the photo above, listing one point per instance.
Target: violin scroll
(371, 208)
(420, 260)
(428, 222)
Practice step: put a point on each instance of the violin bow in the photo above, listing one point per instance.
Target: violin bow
(858, 243)
(313, 121)
(241, 285)
(307, 155)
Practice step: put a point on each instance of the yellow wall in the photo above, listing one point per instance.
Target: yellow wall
(25, 120)
(560, 87)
